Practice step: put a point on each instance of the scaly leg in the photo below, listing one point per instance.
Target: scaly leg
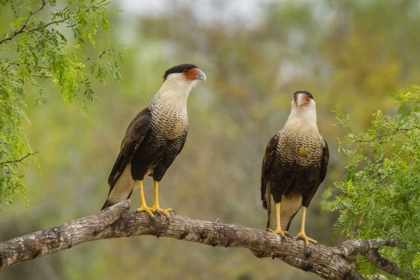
(302, 233)
(143, 206)
(278, 229)
(155, 206)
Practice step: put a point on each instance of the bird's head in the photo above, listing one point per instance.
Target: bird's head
(303, 98)
(184, 72)
(303, 108)
(178, 82)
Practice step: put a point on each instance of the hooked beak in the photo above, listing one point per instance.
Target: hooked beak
(301, 99)
(201, 76)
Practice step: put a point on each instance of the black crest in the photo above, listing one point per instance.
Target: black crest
(304, 91)
(178, 69)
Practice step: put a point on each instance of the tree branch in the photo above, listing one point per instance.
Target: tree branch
(355, 246)
(58, 238)
(18, 160)
(383, 263)
(21, 30)
(25, 24)
(90, 58)
(114, 222)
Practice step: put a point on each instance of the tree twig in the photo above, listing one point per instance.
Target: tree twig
(21, 30)
(114, 222)
(42, 76)
(91, 58)
(18, 160)
(44, 3)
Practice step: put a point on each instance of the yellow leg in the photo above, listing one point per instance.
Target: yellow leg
(278, 229)
(302, 233)
(143, 206)
(155, 206)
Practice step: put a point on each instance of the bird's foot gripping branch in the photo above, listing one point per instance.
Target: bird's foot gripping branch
(116, 221)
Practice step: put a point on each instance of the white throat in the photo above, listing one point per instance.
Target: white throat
(176, 89)
(303, 116)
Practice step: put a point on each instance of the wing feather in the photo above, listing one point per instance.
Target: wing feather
(267, 163)
(324, 162)
(133, 138)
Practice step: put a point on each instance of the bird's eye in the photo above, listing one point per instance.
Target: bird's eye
(185, 71)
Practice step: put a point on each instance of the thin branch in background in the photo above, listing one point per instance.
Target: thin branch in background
(59, 21)
(42, 76)
(91, 58)
(8, 65)
(21, 30)
(18, 160)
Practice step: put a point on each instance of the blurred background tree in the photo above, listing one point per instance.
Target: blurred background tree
(351, 54)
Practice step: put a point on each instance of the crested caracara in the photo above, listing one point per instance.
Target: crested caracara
(294, 165)
(154, 138)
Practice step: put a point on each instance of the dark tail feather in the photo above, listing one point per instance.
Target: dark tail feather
(268, 220)
(109, 203)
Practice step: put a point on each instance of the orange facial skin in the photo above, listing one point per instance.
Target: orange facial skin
(302, 99)
(192, 74)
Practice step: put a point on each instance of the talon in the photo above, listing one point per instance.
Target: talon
(279, 231)
(163, 211)
(302, 235)
(146, 209)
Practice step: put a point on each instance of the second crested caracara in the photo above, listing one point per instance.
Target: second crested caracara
(294, 165)
(154, 138)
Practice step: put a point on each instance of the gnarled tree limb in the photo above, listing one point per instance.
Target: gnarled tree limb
(383, 263)
(355, 246)
(114, 222)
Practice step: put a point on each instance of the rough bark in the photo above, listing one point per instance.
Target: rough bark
(383, 263)
(327, 262)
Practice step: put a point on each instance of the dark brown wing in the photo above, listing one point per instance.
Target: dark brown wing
(133, 138)
(324, 163)
(267, 163)
(317, 171)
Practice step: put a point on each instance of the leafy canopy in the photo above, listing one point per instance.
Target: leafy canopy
(44, 43)
(381, 191)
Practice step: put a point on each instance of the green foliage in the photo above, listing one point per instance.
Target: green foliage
(44, 42)
(380, 194)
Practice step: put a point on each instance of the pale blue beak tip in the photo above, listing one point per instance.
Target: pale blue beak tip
(201, 76)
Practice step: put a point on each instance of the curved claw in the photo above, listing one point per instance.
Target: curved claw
(146, 209)
(302, 235)
(279, 231)
(155, 208)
